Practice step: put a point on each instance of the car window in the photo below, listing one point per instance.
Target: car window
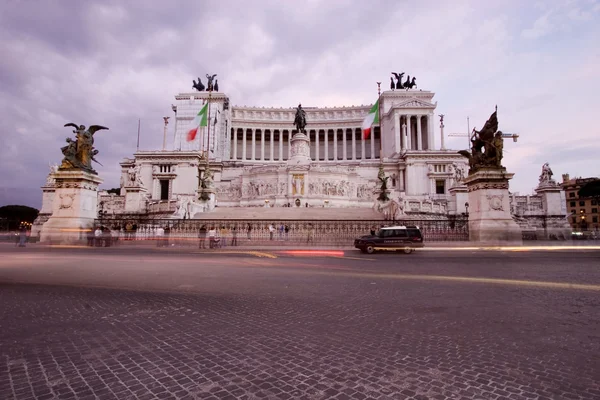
(400, 233)
(414, 232)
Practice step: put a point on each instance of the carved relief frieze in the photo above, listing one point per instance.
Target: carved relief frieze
(487, 185)
(260, 188)
(324, 187)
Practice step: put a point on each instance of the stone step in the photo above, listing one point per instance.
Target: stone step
(292, 213)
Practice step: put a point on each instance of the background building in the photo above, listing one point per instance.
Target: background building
(582, 212)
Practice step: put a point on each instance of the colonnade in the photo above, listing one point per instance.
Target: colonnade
(413, 132)
(341, 144)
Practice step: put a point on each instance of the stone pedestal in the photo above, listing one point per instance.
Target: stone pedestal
(490, 221)
(460, 199)
(74, 207)
(135, 197)
(555, 223)
(300, 150)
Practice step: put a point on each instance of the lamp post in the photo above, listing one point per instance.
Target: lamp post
(467, 209)
(166, 119)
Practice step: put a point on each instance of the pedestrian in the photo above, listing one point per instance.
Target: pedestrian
(249, 228)
(98, 237)
(280, 231)
(234, 236)
(90, 237)
(309, 236)
(202, 237)
(271, 230)
(287, 232)
(22, 236)
(212, 235)
(160, 233)
(167, 231)
(223, 236)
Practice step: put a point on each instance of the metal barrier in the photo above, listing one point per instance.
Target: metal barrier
(322, 233)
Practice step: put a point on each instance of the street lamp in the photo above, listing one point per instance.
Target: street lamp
(467, 208)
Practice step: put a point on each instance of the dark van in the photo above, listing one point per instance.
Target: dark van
(405, 238)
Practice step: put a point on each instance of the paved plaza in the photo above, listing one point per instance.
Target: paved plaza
(116, 323)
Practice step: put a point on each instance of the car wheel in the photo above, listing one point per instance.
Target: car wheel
(408, 250)
(370, 250)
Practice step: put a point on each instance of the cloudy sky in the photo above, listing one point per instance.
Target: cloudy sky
(112, 62)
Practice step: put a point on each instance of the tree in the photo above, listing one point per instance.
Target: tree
(15, 215)
(116, 191)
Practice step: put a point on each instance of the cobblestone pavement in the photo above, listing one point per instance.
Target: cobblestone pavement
(303, 328)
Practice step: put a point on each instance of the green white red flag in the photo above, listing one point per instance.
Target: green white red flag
(201, 119)
(371, 119)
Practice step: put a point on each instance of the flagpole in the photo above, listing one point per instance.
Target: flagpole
(208, 125)
(138, 138)
(380, 122)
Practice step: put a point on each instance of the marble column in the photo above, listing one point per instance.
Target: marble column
(408, 134)
(344, 143)
(234, 134)
(289, 133)
(262, 144)
(362, 146)
(271, 143)
(253, 151)
(244, 139)
(430, 134)
(280, 144)
(419, 136)
(372, 143)
(397, 129)
(353, 144)
(326, 143)
(317, 132)
(335, 145)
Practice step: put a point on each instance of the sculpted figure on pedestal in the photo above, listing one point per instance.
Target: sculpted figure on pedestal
(198, 86)
(300, 119)
(79, 153)
(209, 84)
(486, 146)
(546, 175)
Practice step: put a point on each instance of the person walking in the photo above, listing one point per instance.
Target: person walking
(287, 232)
(234, 236)
(22, 236)
(202, 237)
(160, 233)
(271, 230)
(212, 235)
(223, 236)
(310, 235)
(249, 228)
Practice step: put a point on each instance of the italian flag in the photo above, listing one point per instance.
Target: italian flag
(371, 118)
(201, 119)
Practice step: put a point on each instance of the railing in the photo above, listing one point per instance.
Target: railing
(323, 233)
(163, 206)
